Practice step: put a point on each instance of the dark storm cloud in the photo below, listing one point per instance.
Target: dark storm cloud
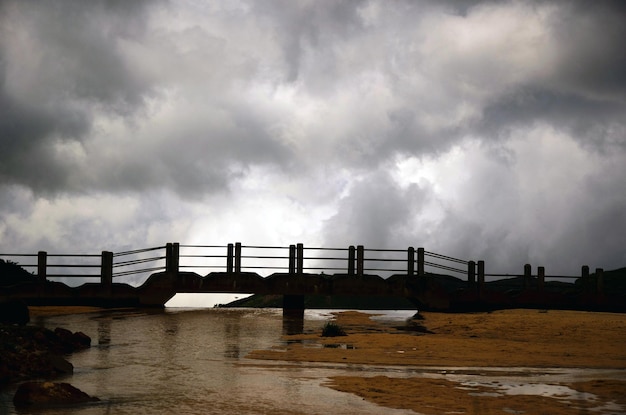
(58, 63)
(595, 123)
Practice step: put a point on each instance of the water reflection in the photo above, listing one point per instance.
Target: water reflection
(232, 339)
(293, 322)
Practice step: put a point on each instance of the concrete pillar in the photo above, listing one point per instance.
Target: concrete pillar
(351, 259)
(292, 259)
(230, 248)
(106, 271)
(421, 271)
(481, 277)
(410, 261)
(600, 281)
(238, 257)
(293, 306)
(300, 259)
(172, 257)
(471, 272)
(584, 277)
(42, 266)
(527, 275)
(541, 278)
(360, 259)
(584, 272)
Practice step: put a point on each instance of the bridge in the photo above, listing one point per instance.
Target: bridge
(294, 271)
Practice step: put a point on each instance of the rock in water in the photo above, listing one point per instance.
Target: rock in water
(71, 342)
(49, 393)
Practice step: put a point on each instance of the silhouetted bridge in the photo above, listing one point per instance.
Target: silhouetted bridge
(294, 272)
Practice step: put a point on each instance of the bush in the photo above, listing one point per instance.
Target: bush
(332, 330)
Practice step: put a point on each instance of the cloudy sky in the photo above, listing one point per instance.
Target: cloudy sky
(480, 130)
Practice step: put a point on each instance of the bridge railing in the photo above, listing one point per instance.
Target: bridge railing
(137, 265)
(297, 258)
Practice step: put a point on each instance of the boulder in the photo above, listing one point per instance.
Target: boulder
(14, 312)
(30, 394)
(71, 342)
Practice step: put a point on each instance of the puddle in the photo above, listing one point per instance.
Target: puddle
(560, 392)
(485, 381)
(540, 389)
(339, 346)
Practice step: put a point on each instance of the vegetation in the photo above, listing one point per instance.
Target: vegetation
(332, 329)
(12, 273)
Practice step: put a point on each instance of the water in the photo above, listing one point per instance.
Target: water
(190, 361)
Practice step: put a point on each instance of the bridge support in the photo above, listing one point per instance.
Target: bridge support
(351, 259)
(293, 302)
(106, 272)
(172, 257)
(420, 262)
(599, 281)
(42, 267)
(471, 273)
(527, 275)
(293, 305)
(481, 278)
(293, 314)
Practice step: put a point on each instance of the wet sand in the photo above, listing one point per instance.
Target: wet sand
(502, 339)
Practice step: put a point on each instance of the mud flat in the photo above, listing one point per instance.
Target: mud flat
(501, 362)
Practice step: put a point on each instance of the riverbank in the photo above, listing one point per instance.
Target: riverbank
(501, 339)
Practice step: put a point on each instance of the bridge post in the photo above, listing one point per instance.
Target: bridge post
(42, 271)
(420, 262)
(360, 259)
(410, 261)
(351, 259)
(293, 309)
(584, 276)
(300, 258)
(292, 259)
(238, 257)
(42, 266)
(541, 278)
(229, 258)
(527, 275)
(172, 257)
(106, 271)
(599, 281)
(481, 278)
(471, 272)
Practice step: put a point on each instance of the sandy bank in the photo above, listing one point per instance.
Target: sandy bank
(508, 338)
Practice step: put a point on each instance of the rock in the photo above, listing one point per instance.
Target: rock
(14, 312)
(60, 365)
(49, 393)
(71, 342)
(28, 352)
(81, 340)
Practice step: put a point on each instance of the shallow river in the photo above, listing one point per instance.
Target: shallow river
(194, 362)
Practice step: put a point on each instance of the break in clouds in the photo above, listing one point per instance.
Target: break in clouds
(482, 130)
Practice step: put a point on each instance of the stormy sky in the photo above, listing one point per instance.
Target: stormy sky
(480, 130)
